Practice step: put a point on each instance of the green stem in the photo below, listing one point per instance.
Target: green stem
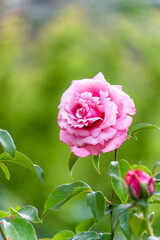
(148, 225)
(112, 197)
(2, 232)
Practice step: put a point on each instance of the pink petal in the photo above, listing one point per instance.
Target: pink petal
(81, 152)
(99, 76)
(123, 123)
(95, 150)
(115, 142)
(118, 86)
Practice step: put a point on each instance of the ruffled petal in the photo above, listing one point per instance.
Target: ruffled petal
(115, 142)
(81, 152)
(123, 123)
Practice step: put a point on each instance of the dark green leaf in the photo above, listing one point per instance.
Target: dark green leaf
(110, 208)
(139, 127)
(118, 171)
(95, 160)
(71, 162)
(105, 236)
(86, 236)
(96, 202)
(5, 170)
(30, 213)
(40, 172)
(7, 142)
(19, 229)
(137, 225)
(157, 177)
(124, 224)
(63, 193)
(64, 235)
(85, 225)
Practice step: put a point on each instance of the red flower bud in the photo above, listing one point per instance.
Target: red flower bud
(139, 184)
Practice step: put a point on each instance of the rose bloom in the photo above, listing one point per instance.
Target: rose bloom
(139, 184)
(94, 116)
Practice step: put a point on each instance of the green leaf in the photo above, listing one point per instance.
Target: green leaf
(157, 164)
(5, 170)
(96, 202)
(133, 237)
(124, 167)
(105, 236)
(17, 208)
(95, 160)
(119, 234)
(157, 177)
(45, 239)
(85, 225)
(86, 236)
(117, 213)
(124, 224)
(137, 225)
(154, 199)
(157, 189)
(118, 171)
(71, 162)
(39, 172)
(30, 213)
(63, 193)
(22, 160)
(110, 208)
(19, 229)
(7, 142)
(141, 167)
(139, 127)
(3, 214)
(64, 235)
(142, 203)
(12, 211)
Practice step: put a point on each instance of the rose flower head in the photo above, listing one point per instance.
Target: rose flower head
(139, 184)
(94, 116)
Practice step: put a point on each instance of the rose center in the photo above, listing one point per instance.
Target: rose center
(81, 112)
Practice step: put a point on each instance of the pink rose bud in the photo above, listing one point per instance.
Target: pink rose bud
(94, 116)
(139, 184)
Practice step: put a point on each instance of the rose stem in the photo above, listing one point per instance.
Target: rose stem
(148, 225)
(2, 232)
(112, 197)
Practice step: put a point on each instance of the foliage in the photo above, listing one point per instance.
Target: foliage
(36, 67)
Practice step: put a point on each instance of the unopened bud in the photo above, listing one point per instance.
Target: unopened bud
(139, 184)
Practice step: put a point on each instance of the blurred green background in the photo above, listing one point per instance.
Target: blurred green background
(44, 45)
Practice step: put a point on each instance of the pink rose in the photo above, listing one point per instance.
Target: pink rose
(139, 184)
(94, 116)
